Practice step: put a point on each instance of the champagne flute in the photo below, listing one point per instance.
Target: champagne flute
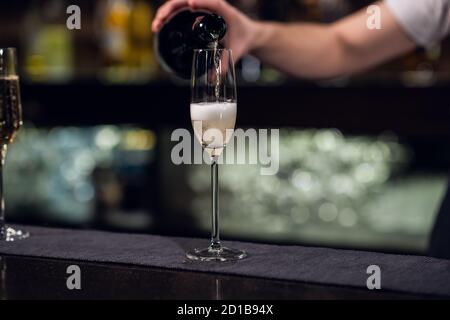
(10, 123)
(213, 115)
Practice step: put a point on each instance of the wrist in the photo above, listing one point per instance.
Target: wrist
(261, 33)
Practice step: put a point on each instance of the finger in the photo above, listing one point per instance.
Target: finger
(220, 7)
(165, 11)
(212, 5)
(208, 4)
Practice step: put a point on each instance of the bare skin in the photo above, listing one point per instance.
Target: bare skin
(306, 50)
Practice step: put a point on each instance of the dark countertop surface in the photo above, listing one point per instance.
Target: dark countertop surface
(39, 278)
(142, 266)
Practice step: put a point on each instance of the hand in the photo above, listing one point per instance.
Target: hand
(242, 31)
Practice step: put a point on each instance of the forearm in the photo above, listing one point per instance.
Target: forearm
(303, 50)
(329, 50)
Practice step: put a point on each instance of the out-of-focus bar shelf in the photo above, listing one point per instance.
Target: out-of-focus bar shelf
(410, 111)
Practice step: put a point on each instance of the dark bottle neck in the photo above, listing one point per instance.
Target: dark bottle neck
(181, 34)
(209, 28)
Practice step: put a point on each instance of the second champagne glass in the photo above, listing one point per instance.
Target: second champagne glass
(10, 123)
(213, 116)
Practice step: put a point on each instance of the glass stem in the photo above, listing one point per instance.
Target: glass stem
(2, 195)
(215, 237)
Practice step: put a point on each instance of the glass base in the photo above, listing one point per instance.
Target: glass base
(210, 254)
(15, 235)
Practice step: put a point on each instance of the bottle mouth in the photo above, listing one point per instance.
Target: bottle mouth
(210, 28)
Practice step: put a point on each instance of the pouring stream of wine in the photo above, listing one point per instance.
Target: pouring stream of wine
(217, 67)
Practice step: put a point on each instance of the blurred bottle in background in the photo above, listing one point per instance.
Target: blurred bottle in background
(142, 59)
(114, 41)
(126, 40)
(420, 68)
(48, 43)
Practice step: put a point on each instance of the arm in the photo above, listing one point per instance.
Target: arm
(321, 51)
(303, 49)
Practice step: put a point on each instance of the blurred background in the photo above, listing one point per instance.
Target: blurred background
(363, 160)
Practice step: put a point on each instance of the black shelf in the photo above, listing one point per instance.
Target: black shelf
(361, 110)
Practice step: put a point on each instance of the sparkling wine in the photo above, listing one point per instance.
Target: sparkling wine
(213, 125)
(10, 109)
(217, 66)
(185, 31)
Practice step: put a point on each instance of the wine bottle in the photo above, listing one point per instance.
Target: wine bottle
(185, 31)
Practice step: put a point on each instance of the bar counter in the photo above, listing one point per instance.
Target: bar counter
(136, 266)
